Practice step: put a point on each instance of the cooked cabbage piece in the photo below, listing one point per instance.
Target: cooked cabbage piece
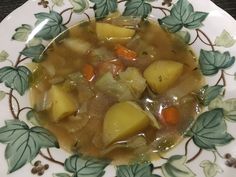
(160, 75)
(134, 80)
(109, 85)
(123, 120)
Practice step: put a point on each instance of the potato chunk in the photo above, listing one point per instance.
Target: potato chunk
(62, 103)
(108, 31)
(122, 120)
(160, 75)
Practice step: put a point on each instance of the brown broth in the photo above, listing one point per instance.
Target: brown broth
(82, 131)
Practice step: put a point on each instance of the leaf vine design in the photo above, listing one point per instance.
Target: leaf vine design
(208, 132)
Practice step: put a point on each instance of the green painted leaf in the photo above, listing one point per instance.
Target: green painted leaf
(209, 130)
(195, 20)
(176, 167)
(24, 143)
(51, 25)
(212, 61)
(225, 40)
(32, 117)
(184, 35)
(210, 169)
(103, 7)
(182, 15)
(229, 107)
(15, 78)
(2, 95)
(61, 175)
(137, 8)
(3, 55)
(34, 42)
(85, 166)
(136, 170)
(22, 33)
(34, 52)
(58, 2)
(79, 5)
(209, 93)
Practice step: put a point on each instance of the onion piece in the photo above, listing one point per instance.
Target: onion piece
(43, 102)
(133, 143)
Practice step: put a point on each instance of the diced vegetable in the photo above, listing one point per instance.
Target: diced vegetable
(62, 103)
(40, 101)
(125, 53)
(113, 66)
(88, 72)
(134, 80)
(108, 31)
(123, 120)
(77, 82)
(78, 45)
(171, 115)
(153, 120)
(162, 74)
(109, 85)
(101, 54)
(74, 123)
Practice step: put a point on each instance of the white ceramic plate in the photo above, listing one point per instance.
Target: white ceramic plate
(209, 147)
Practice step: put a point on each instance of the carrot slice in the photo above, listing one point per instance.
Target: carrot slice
(171, 115)
(125, 53)
(88, 72)
(113, 66)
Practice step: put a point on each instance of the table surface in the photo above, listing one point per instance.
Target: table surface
(7, 6)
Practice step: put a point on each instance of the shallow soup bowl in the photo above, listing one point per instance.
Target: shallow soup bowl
(208, 147)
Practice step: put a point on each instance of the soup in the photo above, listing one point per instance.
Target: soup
(122, 88)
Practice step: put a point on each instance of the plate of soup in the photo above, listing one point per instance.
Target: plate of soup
(118, 88)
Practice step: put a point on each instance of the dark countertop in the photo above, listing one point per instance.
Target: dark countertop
(7, 6)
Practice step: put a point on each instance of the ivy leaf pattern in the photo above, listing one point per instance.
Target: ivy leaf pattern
(184, 35)
(3, 56)
(32, 117)
(103, 7)
(34, 52)
(182, 15)
(61, 175)
(229, 107)
(212, 61)
(22, 32)
(24, 143)
(58, 3)
(137, 8)
(79, 5)
(225, 40)
(137, 170)
(51, 25)
(2, 95)
(210, 169)
(34, 42)
(15, 78)
(85, 166)
(176, 167)
(209, 130)
(209, 93)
